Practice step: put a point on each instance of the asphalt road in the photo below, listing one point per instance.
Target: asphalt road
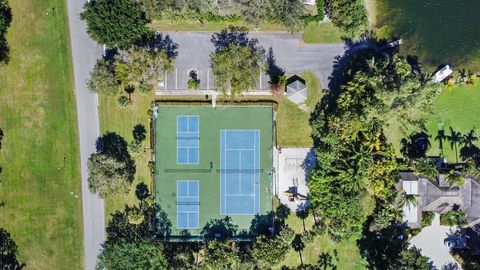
(289, 51)
(85, 53)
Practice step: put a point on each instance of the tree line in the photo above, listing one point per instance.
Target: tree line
(140, 237)
(120, 23)
(353, 185)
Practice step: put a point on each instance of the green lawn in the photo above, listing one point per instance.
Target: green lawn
(457, 108)
(40, 157)
(293, 128)
(122, 120)
(348, 253)
(313, 32)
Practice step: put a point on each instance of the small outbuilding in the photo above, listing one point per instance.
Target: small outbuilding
(296, 90)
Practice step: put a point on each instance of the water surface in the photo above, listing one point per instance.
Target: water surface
(438, 31)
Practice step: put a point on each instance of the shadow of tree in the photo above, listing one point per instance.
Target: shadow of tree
(142, 192)
(156, 41)
(114, 145)
(6, 15)
(281, 214)
(139, 133)
(298, 246)
(273, 70)
(166, 44)
(219, 229)
(9, 252)
(182, 255)
(262, 225)
(416, 145)
(161, 222)
(234, 35)
(382, 247)
(303, 213)
(120, 229)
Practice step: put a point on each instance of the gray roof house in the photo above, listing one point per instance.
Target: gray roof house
(297, 91)
(437, 196)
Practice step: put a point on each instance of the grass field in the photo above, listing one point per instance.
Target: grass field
(40, 158)
(457, 108)
(293, 128)
(216, 153)
(348, 253)
(122, 120)
(313, 32)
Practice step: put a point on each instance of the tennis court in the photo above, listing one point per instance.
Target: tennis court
(239, 172)
(211, 163)
(187, 204)
(187, 139)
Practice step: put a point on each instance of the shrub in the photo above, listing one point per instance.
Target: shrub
(453, 217)
(123, 101)
(145, 88)
(427, 218)
(193, 84)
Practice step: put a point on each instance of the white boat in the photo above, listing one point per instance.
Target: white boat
(442, 74)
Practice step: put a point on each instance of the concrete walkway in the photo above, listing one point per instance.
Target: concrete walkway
(430, 241)
(85, 53)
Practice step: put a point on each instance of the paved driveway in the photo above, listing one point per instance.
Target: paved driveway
(290, 53)
(85, 53)
(430, 241)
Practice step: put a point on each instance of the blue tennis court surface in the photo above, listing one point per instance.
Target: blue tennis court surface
(239, 172)
(187, 139)
(187, 204)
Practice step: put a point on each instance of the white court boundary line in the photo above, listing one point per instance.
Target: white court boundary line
(256, 176)
(189, 132)
(189, 197)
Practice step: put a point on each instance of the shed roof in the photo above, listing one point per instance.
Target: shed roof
(295, 86)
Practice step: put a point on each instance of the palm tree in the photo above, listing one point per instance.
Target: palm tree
(455, 178)
(352, 177)
(407, 199)
(372, 141)
(440, 138)
(469, 138)
(455, 138)
(360, 156)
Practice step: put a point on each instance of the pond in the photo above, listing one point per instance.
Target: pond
(438, 31)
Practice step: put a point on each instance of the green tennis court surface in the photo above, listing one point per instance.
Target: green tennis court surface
(212, 163)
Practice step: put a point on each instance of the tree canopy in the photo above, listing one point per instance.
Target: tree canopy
(269, 251)
(111, 169)
(290, 13)
(126, 255)
(349, 15)
(356, 165)
(237, 61)
(103, 79)
(115, 23)
(221, 255)
(139, 67)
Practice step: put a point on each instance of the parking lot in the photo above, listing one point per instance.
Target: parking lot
(289, 51)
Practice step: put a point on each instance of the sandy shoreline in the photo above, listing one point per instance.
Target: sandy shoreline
(370, 5)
